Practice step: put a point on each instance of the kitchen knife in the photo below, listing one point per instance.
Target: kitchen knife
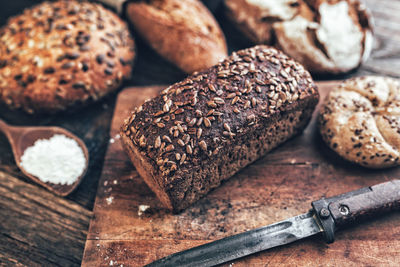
(326, 216)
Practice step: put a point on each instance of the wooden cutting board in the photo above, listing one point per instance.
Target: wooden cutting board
(280, 185)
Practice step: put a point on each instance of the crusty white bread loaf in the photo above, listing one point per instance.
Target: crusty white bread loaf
(203, 130)
(182, 31)
(61, 55)
(325, 36)
(255, 18)
(360, 120)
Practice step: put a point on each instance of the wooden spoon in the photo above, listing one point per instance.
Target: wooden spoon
(21, 138)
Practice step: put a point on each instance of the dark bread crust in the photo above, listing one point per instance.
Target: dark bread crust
(61, 55)
(204, 129)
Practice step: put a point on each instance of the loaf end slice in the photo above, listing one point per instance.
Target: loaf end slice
(203, 130)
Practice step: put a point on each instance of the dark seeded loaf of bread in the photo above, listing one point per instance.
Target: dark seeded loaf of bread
(203, 130)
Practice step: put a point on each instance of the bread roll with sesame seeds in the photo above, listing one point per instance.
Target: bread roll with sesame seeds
(360, 120)
(204, 129)
(182, 31)
(61, 55)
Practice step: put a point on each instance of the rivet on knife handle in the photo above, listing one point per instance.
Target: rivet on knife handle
(342, 210)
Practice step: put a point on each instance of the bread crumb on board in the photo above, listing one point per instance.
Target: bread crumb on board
(142, 209)
(116, 137)
(109, 200)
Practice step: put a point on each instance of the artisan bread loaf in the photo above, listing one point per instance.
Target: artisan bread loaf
(360, 120)
(326, 36)
(255, 18)
(204, 129)
(182, 31)
(60, 55)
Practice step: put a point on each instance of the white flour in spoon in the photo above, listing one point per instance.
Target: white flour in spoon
(58, 160)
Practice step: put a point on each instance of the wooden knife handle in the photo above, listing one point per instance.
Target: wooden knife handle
(340, 211)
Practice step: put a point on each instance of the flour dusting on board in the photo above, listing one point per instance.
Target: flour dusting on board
(58, 160)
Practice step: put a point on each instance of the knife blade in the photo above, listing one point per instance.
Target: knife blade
(326, 217)
(246, 243)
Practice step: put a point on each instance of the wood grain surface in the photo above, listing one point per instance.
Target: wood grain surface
(280, 185)
(30, 230)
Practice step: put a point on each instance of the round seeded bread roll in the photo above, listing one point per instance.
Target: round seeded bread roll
(60, 55)
(324, 35)
(360, 120)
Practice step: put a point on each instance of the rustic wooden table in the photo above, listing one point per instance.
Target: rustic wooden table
(38, 228)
